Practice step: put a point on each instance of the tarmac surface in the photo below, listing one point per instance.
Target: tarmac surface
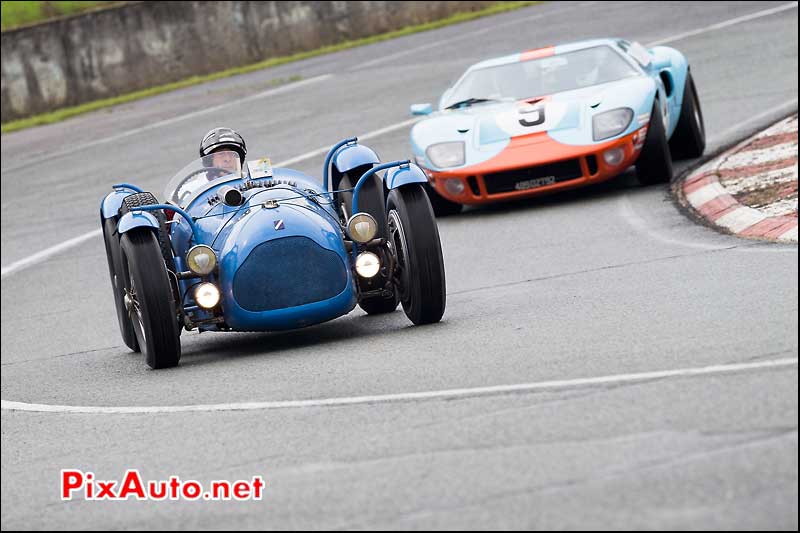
(655, 359)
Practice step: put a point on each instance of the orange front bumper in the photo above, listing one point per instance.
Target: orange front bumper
(519, 170)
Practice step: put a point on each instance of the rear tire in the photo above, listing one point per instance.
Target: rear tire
(415, 239)
(442, 207)
(689, 138)
(152, 311)
(655, 162)
(115, 270)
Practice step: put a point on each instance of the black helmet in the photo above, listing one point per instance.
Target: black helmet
(223, 137)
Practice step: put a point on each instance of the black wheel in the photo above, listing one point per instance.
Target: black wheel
(150, 301)
(415, 239)
(442, 207)
(147, 198)
(655, 162)
(689, 138)
(115, 270)
(370, 198)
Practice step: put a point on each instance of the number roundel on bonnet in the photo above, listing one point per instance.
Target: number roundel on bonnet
(223, 138)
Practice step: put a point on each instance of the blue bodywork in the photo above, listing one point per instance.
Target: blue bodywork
(284, 260)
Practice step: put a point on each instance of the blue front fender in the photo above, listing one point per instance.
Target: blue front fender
(398, 176)
(352, 156)
(137, 219)
(112, 202)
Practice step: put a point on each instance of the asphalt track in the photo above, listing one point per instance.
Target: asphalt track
(673, 348)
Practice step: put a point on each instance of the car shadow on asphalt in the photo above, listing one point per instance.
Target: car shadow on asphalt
(214, 347)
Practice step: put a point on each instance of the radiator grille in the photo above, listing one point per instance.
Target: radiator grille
(288, 272)
(507, 181)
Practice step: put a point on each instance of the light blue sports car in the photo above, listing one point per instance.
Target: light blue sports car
(556, 118)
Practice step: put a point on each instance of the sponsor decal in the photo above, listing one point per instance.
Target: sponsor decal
(260, 168)
(526, 118)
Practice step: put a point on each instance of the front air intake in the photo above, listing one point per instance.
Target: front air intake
(288, 272)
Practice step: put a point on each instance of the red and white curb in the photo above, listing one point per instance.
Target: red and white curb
(751, 190)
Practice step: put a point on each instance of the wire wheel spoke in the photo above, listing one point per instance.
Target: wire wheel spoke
(135, 313)
(400, 249)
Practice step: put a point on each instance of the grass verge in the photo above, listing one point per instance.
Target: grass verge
(17, 13)
(67, 112)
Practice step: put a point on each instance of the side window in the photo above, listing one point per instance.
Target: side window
(640, 54)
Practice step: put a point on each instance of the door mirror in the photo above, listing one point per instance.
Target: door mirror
(421, 109)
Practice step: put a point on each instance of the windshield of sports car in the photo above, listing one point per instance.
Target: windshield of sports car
(199, 174)
(540, 77)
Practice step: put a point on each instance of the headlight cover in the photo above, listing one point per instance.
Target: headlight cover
(446, 155)
(611, 123)
(362, 227)
(201, 259)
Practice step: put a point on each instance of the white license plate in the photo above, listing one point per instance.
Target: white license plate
(535, 182)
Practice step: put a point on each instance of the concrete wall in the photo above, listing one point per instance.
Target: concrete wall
(138, 45)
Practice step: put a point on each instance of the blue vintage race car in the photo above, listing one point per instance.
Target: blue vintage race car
(557, 118)
(265, 249)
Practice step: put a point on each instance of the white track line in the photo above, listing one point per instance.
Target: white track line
(725, 23)
(161, 123)
(44, 254)
(47, 253)
(407, 397)
(324, 149)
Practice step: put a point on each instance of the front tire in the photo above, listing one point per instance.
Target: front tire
(147, 198)
(115, 270)
(151, 305)
(415, 238)
(655, 162)
(689, 138)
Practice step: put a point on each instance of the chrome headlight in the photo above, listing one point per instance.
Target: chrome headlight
(201, 260)
(611, 123)
(367, 265)
(445, 155)
(362, 227)
(206, 295)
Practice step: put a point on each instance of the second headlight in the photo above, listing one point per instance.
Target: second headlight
(445, 155)
(201, 260)
(362, 227)
(207, 295)
(367, 265)
(611, 123)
